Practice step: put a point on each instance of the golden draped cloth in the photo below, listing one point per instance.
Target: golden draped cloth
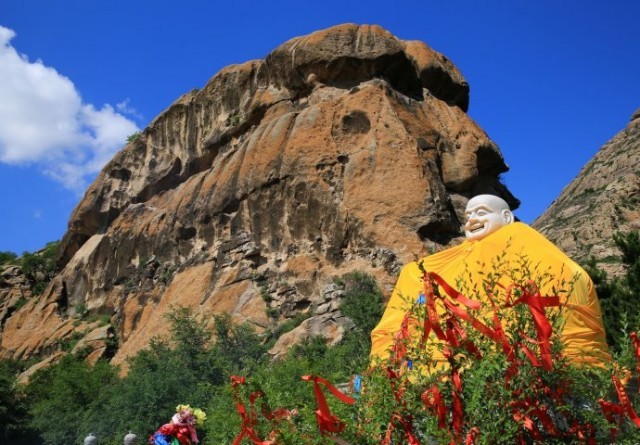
(583, 333)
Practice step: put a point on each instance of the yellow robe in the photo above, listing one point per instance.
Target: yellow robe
(583, 334)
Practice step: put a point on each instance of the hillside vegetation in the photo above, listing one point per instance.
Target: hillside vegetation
(63, 403)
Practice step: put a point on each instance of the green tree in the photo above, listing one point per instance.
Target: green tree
(282, 380)
(40, 267)
(190, 367)
(239, 345)
(179, 370)
(13, 406)
(65, 397)
(132, 137)
(7, 257)
(619, 297)
(364, 304)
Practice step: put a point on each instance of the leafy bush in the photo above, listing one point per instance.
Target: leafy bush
(64, 397)
(492, 395)
(506, 381)
(7, 257)
(132, 137)
(362, 302)
(40, 267)
(619, 297)
(13, 406)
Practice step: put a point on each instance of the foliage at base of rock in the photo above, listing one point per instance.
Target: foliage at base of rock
(505, 379)
(40, 267)
(63, 403)
(620, 297)
(486, 394)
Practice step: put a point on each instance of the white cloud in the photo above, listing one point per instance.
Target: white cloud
(43, 121)
(125, 107)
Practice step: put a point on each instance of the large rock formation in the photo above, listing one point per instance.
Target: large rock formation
(343, 150)
(601, 200)
(14, 291)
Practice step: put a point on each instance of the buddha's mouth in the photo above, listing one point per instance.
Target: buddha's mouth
(475, 228)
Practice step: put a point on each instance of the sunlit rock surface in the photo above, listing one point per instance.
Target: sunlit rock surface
(347, 149)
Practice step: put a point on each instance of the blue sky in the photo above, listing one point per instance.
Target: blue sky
(551, 81)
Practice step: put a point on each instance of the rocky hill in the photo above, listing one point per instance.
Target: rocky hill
(601, 200)
(347, 149)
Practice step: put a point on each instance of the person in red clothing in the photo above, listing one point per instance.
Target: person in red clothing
(181, 429)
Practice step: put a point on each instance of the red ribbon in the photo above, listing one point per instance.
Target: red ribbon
(472, 435)
(457, 412)
(543, 328)
(406, 423)
(610, 411)
(432, 399)
(402, 337)
(585, 432)
(248, 418)
(457, 310)
(327, 422)
(397, 392)
(431, 320)
(533, 408)
(623, 408)
(236, 381)
(625, 403)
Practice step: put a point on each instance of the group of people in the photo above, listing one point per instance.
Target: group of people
(181, 430)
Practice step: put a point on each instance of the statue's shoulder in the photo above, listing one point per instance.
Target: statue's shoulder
(519, 233)
(528, 241)
(413, 268)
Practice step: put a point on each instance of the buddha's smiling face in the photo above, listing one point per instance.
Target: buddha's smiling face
(485, 214)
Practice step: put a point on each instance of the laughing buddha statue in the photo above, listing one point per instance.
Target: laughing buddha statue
(490, 231)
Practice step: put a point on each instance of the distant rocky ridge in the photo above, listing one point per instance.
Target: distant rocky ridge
(347, 149)
(601, 200)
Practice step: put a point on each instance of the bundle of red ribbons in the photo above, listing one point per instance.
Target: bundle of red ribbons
(532, 415)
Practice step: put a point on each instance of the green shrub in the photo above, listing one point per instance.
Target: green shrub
(64, 397)
(7, 257)
(619, 297)
(40, 267)
(132, 137)
(496, 389)
(14, 427)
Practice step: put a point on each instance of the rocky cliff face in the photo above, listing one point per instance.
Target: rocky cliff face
(347, 149)
(601, 200)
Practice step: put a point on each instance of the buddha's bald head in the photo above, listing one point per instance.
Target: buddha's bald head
(485, 214)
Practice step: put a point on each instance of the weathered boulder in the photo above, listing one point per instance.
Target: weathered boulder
(329, 326)
(14, 291)
(344, 150)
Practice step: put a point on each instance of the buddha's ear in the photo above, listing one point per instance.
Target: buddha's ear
(507, 216)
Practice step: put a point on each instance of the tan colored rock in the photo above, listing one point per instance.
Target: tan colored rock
(329, 326)
(37, 328)
(347, 149)
(23, 378)
(14, 291)
(96, 342)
